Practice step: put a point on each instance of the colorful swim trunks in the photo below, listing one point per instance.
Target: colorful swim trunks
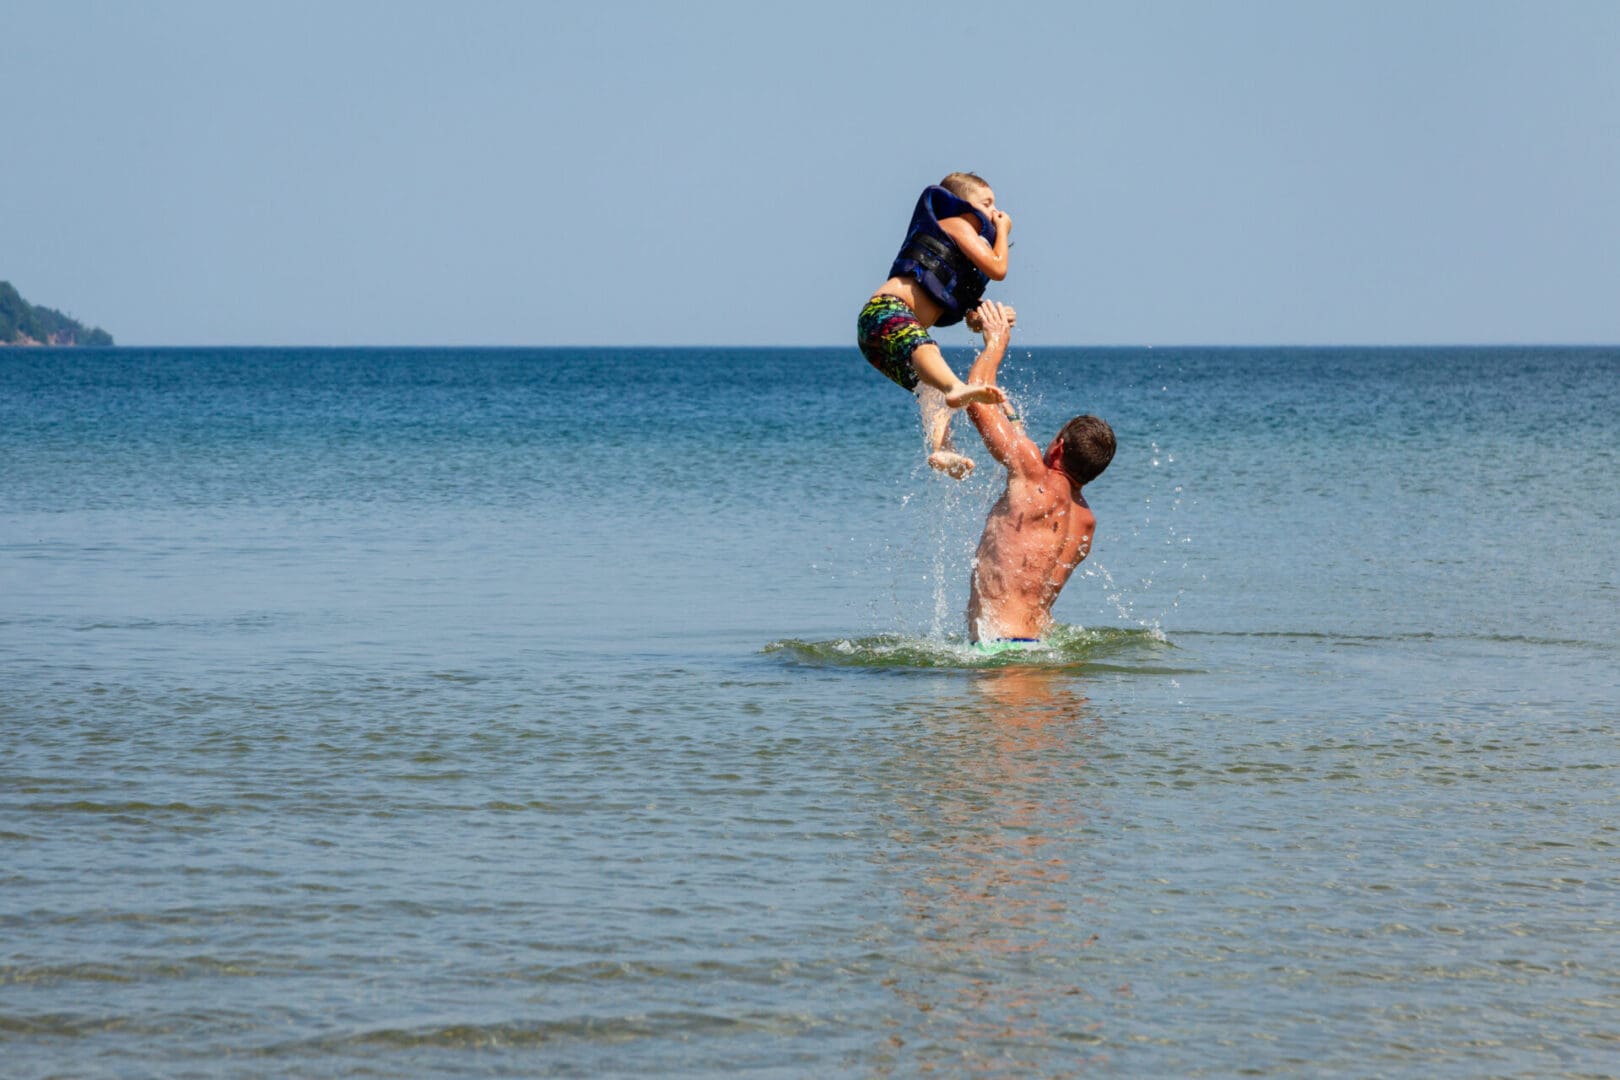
(888, 333)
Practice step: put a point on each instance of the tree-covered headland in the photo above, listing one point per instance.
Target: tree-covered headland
(22, 323)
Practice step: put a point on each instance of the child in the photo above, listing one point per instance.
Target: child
(955, 245)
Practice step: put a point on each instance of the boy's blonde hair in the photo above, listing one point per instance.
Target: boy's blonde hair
(963, 184)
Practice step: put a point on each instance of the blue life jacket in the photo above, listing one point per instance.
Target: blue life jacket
(933, 258)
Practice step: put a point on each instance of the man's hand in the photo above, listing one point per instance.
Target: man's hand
(1002, 436)
(995, 320)
(971, 319)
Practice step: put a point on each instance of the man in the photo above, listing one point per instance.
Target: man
(1041, 528)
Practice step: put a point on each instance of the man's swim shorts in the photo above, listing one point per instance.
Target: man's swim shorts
(888, 333)
(997, 646)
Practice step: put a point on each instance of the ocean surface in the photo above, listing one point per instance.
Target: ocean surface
(381, 713)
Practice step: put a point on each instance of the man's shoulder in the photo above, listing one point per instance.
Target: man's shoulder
(1051, 486)
(1044, 485)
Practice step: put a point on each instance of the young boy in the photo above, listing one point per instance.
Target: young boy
(955, 245)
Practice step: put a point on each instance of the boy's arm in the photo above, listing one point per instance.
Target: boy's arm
(991, 259)
(1004, 439)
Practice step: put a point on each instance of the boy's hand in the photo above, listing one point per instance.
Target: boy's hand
(1001, 221)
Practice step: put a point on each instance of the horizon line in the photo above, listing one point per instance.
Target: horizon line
(1527, 344)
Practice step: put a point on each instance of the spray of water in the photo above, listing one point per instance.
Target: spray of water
(928, 561)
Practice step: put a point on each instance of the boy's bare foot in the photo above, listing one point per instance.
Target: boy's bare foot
(951, 464)
(975, 394)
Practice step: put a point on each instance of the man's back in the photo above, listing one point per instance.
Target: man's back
(1035, 536)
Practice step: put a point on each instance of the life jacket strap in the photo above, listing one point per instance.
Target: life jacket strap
(952, 268)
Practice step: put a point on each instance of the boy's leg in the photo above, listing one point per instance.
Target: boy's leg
(894, 342)
(936, 422)
(932, 370)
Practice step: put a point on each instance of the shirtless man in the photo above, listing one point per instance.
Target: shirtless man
(1041, 528)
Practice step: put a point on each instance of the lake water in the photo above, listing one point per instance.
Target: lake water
(604, 712)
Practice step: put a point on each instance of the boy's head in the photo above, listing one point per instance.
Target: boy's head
(964, 184)
(1082, 449)
(972, 189)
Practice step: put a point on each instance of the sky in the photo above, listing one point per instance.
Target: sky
(1250, 172)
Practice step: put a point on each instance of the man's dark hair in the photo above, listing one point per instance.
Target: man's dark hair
(1088, 447)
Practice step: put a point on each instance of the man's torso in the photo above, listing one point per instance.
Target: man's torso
(1033, 540)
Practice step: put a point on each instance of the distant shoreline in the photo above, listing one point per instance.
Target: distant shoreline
(25, 325)
(55, 342)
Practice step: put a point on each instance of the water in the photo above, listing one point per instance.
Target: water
(577, 713)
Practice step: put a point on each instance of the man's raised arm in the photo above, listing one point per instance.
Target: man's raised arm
(1004, 439)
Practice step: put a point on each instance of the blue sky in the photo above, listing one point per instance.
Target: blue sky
(491, 173)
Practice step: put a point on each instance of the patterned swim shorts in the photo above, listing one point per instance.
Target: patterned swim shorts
(888, 333)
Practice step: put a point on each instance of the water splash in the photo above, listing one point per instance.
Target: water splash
(1161, 548)
(1066, 647)
(928, 558)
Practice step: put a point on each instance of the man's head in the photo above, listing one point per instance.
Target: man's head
(1083, 449)
(971, 188)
